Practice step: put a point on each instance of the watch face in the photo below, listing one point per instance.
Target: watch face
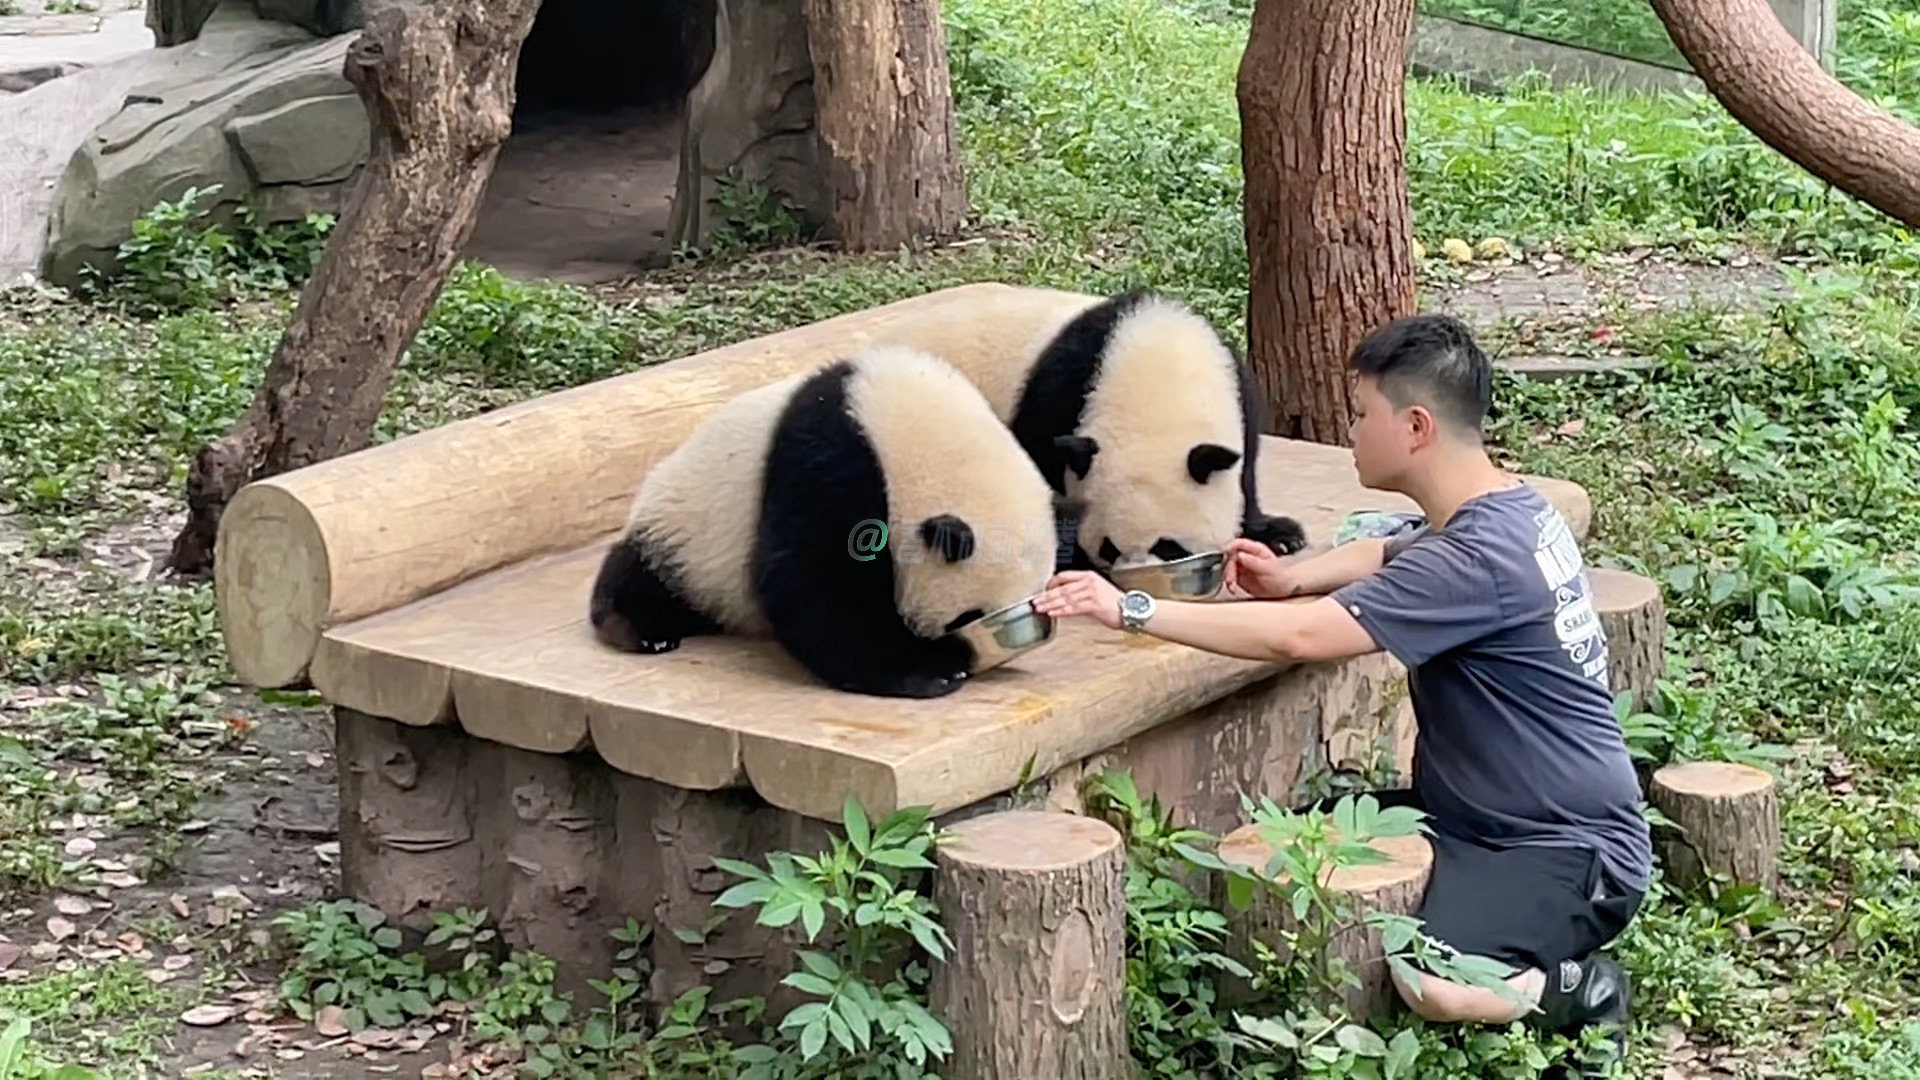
(1137, 604)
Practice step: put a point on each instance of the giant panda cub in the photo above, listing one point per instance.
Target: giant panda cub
(751, 526)
(1137, 411)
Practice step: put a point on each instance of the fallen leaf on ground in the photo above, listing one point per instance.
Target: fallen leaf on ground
(328, 1021)
(207, 1015)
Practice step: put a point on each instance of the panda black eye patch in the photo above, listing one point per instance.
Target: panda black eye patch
(1168, 550)
(949, 536)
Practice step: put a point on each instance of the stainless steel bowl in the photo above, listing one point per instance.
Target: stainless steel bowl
(999, 636)
(1195, 577)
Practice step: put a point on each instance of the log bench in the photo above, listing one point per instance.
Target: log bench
(434, 591)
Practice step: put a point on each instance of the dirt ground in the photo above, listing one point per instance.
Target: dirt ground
(265, 841)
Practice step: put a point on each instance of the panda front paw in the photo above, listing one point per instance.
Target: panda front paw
(1282, 534)
(916, 685)
(665, 645)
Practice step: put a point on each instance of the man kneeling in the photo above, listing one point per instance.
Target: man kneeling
(1541, 854)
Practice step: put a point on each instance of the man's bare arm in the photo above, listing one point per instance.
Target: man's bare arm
(1321, 574)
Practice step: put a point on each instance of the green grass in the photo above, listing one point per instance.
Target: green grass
(1764, 470)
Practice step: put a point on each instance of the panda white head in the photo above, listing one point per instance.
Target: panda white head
(1155, 463)
(970, 517)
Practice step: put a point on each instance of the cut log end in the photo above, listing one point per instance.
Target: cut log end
(272, 583)
(1029, 841)
(1395, 887)
(1410, 862)
(1726, 821)
(1634, 616)
(1035, 984)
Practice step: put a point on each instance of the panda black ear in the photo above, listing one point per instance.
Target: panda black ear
(1078, 450)
(949, 536)
(1209, 458)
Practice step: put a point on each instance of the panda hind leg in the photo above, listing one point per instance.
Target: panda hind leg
(636, 607)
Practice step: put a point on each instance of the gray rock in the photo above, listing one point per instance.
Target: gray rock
(314, 141)
(42, 129)
(16, 80)
(250, 121)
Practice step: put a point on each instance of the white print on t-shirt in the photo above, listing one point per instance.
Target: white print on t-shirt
(1574, 620)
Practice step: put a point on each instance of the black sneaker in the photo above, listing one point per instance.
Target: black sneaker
(1593, 991)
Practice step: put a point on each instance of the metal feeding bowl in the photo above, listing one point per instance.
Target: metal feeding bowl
(999, 636)
(1195, 577)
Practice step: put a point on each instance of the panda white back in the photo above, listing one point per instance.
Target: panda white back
(1167, 383)
(945, 452)
(702, 503)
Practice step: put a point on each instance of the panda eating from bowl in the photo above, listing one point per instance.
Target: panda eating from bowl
(1146, 422)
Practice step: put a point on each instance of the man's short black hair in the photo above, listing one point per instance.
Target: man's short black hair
(1430, 360)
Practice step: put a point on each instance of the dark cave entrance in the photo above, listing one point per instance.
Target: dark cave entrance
(583, 189)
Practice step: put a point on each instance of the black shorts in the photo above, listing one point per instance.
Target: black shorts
(1524, 906)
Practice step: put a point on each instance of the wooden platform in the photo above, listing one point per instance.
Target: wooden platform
(434, 589)
(443, 579)
(509, 657)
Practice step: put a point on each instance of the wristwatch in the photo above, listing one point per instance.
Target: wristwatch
(1136, 608)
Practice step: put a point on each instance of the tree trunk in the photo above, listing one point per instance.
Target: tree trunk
(1328, 226)
(437, 83)
(1770, 83)
(885, 117)
(1036, 983)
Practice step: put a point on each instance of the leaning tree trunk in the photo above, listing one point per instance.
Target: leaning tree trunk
(437, 83)
(884, 107)
(1776, 88)
(1329, 231)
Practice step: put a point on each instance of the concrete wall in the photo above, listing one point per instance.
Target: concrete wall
(1483, 55)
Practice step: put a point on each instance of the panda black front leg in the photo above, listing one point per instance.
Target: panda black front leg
(1282, 534)
(906, 684)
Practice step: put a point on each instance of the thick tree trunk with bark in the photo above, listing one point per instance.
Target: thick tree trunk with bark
(885, 117)
(1329, 230)
(437, 83)
(1770, 83)
(1036, 983)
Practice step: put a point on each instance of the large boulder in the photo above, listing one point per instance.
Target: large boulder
(274, 124)
(175, 22)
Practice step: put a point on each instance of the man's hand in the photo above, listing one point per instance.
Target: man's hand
(1253, 570)
(1081, 592)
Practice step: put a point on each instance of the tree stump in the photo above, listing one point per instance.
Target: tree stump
(1036, 983)
(885, 108)
(1635, 620)
(1728, 816)
(1329, 228)
(437, 84)
(1395, 887)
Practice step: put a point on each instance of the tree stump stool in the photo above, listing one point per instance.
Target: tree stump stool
(1395, 887)
(1634, 616)
(1728, 816)
(1036, 982)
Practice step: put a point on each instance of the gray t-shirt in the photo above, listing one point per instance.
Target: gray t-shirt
(1507, 665)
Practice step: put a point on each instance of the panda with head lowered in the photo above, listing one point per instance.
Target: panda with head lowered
(749, 526)
(1147, 421)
